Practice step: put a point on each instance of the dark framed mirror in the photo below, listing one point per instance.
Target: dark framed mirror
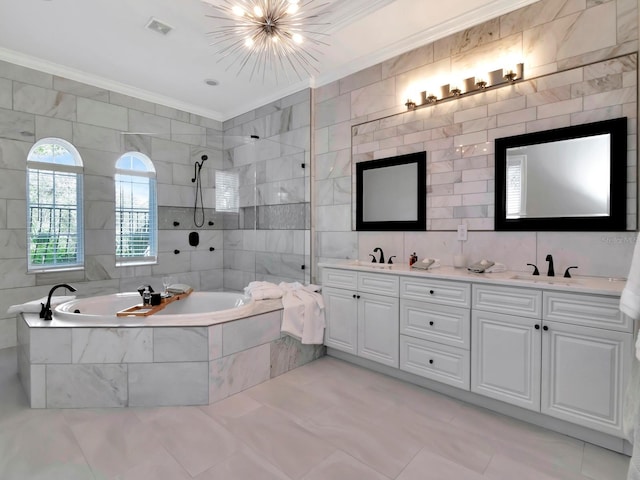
(565, 179)
(391, 193)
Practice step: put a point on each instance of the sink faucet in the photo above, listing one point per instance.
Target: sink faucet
(550, 272)
(381, 254)
(45, 312)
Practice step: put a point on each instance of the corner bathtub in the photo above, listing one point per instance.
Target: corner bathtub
(196, 351)
(197, 309)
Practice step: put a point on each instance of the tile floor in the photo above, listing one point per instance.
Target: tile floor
(327, 420)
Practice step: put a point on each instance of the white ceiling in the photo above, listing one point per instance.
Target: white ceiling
(105, 43)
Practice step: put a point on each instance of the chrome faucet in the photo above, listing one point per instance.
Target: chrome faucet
(381, 254)
(550, 272)
(45, 312)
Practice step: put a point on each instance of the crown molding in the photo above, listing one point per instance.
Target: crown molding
(424, 37)
(52, 68)
(347, 12)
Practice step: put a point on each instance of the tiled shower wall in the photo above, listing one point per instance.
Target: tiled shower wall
(269, 238)
(35, 105)
(580, 65)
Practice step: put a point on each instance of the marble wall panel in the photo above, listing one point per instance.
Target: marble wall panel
(6, 93)
(25, 75)
(180, 344)
(53, 127)
(102, 114)
(50, 346)
(281, 267)
(187, 133)
(78, 89)
(250, 332)
(288, 353)
(155, 125)
(43, 101)
(8, 332)
(74, 386)
(113, 345)
(131, 102)
(234, 373)
(17, 125)
(158, 384)
(98, 138)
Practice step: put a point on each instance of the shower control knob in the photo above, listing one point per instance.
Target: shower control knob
(431, 323)
(176, 251)
(211, 249)
(537, 327)
(545, 328)
(175, 224)
(210, 223)
(431, 361)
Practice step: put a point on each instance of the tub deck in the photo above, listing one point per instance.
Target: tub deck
(150, 363)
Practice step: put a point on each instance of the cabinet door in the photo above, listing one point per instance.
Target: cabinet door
(584, 373)
(341, 314)
(379, 328)
(505, 358)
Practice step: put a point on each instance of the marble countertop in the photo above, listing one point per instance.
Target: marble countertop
(576, 284)
(256, 308)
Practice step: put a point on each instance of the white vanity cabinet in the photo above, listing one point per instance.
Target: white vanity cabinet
(362, 314)
(586, 359)
(434, 329)
(505, 344)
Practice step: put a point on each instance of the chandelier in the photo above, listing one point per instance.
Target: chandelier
(267, 35)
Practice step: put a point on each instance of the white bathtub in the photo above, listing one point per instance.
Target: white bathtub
(199, 308)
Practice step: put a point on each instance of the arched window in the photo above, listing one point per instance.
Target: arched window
(136, 210)
(54, 206)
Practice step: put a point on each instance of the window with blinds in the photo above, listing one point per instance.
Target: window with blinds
(136, 210)
(227, 191)
(516, 186)
(55, 234)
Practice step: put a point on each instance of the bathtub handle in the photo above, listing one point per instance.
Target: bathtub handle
(211, 249)
(175, 224)
(176, 251)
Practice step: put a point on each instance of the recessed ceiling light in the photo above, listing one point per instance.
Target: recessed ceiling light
(158, 26)
(211, 82)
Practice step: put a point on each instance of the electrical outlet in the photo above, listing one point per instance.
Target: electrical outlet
(462, 233)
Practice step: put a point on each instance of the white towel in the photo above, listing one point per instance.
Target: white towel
(35, 306)
(263, 290)
(303, 315)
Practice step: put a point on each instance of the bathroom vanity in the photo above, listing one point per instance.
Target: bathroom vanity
(553, 351)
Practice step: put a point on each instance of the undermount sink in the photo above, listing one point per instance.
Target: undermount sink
(361, 263)
(546, 279)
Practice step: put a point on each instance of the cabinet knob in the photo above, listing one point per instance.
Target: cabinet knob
(358, 296)
(545, 328)
(431, 323)
(537, 327)
(431, 292)
(431, 361)
(354, 295)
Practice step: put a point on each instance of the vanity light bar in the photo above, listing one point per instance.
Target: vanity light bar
(496, 78)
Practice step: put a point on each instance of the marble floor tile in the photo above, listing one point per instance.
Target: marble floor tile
(325, 420)
(344, 467)
(427, 465)
(244, 464)
(114, 444)
(602, 464)
(195, 440)
(281, 441)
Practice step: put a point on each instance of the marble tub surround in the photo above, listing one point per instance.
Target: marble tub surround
(77, 367)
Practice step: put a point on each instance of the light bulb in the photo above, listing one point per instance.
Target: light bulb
(292, 8)
(274, 38)
(258, 11)
(238, 10)
(248, 42)
(294, 2)
(296, 37)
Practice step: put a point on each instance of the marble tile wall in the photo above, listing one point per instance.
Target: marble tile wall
(154, 366)
(270, 241)
(572, 76)
(35, 105)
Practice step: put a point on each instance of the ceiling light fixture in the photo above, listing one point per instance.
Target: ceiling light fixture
(268, 35)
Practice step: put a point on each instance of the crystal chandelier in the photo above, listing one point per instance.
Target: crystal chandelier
(267, 35)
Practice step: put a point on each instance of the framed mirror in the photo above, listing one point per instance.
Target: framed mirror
(391, 193)
(566, 179)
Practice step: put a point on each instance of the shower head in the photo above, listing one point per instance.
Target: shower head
(197, 167)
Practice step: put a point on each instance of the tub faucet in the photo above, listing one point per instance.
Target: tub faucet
(381, 254)
(550, 272)
(45, 312)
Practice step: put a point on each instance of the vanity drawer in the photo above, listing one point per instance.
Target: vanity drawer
(588, 310)
(456, 294)
(378, 283)
(524, 302)
(333, 277)
(437, 323)
(438, 362)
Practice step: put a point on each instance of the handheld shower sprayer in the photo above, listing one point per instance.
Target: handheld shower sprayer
(198, 181)
(197, 167)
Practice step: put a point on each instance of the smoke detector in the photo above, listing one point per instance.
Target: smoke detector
(158, 26)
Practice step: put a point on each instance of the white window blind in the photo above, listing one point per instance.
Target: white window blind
(516, 184)
(227, 191)
(54, 206)
(136, 210)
